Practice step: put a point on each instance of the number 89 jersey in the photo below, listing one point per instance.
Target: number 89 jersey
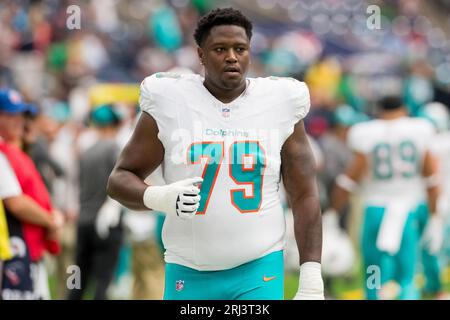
(395, 150)
(236, 148)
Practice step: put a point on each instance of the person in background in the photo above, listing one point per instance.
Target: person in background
(392, 160)
(99, 231)
(65, 187)
(41, 133)
(336, 152)
(9, 187)
(30, 215)
(432, 263)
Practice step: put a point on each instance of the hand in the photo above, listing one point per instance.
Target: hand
(310, 285)
(180, 198)
(433, 235)
(56, 223)
(107, 217)
(56, 220)
(71, 216)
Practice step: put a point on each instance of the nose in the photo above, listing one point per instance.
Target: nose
(231, 56)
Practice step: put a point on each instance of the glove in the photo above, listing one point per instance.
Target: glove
(108, 217)
(180, 198)
(433, 235)
(310, 286)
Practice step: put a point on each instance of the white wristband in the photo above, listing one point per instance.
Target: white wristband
(346, 183)
(310, 281)
(432, 181)
(156, 198)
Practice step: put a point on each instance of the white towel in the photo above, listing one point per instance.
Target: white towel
(391, 230)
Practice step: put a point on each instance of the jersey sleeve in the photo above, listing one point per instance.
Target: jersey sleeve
(9, 186)
(159, 98)
(299, 98)
(149, 94)
(357, 139)
(295, 101)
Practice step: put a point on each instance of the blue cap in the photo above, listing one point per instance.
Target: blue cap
(11, 102)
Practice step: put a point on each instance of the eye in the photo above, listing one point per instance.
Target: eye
(240, 49)
(219, 50)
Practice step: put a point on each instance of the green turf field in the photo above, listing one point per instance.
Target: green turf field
(342, 288)
(349, 288)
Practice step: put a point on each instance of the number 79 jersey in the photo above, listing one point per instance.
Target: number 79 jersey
(395, 150)
(236, 148)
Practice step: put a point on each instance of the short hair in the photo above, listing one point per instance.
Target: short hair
(218, 17)
(391, 102)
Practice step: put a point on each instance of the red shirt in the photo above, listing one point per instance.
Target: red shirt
(33, 186)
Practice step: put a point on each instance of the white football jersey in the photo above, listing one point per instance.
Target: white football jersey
(236, 148)
(441, 149)
(395, 150)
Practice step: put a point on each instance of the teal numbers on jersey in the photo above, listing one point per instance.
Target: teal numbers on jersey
(410, 158)
(247, 163)
(246, 167)
(213, 151)
(382, 161)
(389, 160)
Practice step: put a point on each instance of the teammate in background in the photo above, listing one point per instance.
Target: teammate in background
(392, 159)
(439, 116)
(225, 238)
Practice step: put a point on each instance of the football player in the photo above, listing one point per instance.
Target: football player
(224, 141)
(439, 116)
(392, 161)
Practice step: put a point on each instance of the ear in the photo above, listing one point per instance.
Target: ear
(200, 55)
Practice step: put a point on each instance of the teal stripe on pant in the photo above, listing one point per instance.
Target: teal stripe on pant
(261, 279)
(400, 267)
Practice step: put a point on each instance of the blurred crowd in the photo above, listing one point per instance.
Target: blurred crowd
(80, 88)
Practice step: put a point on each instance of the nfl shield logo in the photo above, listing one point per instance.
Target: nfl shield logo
(179, 285)
(225, 112)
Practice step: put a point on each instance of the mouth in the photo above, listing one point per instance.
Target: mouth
(232, 71)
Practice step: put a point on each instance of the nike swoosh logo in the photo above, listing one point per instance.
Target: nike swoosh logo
(267, 279)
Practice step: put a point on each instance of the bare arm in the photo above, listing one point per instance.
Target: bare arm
(355, 171)
(27, 210)
(140, 157)
(430, 172)
(299, 176)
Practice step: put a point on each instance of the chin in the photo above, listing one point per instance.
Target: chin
(233, 83)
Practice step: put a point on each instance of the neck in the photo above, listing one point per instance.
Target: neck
(224, 95)
(393, 114)
(106, 133)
